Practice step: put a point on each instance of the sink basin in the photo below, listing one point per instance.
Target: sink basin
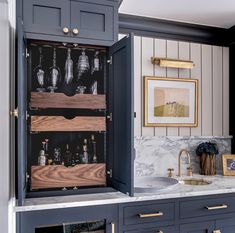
(153, 184)
(195, 181)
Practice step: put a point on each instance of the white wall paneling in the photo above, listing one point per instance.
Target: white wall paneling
(212, 71)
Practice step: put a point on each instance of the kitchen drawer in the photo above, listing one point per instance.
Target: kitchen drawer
(171, 229)
(206, 207)
(151, 213)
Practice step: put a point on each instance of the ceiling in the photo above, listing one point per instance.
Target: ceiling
(218, 13)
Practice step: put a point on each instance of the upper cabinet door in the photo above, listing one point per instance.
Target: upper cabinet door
(22, 118)
(47, 16)
(121, 145)
(92, 21)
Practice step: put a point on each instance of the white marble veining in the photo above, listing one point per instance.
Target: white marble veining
(154, 155)
(220, 184)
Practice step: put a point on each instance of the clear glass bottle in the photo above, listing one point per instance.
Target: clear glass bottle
(68, 68)
(85, 155)
(67, 157)
(42, 156)
(96, 63)
(54, 75)
(57, 156)
(40, 74)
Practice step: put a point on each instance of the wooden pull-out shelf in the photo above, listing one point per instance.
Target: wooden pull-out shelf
(59, 123)
(60, 100)
(59, 176)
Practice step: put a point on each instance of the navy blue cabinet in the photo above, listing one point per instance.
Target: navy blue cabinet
(84, 219)
(226, 225)
(198, 227)
(74, 21)
(91, 23)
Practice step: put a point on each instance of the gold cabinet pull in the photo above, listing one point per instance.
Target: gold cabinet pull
(157, 214)
(217, 207)
(159, 231)
(75, 31)
(216, 231)
(65, 30)
(113, 227)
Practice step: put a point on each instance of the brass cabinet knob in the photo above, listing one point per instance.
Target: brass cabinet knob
(216, 231)
(75, 31)
(159, 231)
(65, 30)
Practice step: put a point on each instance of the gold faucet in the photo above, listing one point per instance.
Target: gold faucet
(179, 160)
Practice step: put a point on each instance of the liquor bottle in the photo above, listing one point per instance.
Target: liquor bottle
(93, 149)
(42, 156)
(57, 156)
(39, 73)
(55, 75)
(77, 155)
(67, 157)
(85, 156)
(68, 68)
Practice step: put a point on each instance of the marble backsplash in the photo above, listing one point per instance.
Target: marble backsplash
(154, 155)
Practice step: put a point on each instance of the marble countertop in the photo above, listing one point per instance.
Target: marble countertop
(219, 185)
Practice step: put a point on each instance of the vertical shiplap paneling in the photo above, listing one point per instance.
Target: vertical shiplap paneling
(217, 91)
(184, 54)
(160, 51)
(207, 102)
(172, 52)
(195, 56)
(147, 70)
(225, 91)
(137, 86)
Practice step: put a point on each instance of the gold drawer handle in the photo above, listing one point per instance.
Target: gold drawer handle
(158, 214)
(216, 231)
(217, 207)
(159, 231)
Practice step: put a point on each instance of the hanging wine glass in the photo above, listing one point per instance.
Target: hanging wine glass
(68, 68)
(83, 64)
(96, 63)
(39, 73)
(54, 75)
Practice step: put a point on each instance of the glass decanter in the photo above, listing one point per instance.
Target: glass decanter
(54, 75)
(83, 64)
(39, 73)
(68, 68)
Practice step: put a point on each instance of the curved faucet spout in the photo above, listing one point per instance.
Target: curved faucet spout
(179, 160)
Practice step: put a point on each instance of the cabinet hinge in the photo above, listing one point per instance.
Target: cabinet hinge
(110, 61)
(26, 53)
(110, 173)
(14, 113)
(110, 116)
(27, 177)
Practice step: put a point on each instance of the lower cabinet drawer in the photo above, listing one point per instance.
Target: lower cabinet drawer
(151, 213)
(206, 207)
(171, 229)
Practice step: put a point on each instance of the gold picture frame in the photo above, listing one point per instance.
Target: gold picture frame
(170, 102)
(228, 164)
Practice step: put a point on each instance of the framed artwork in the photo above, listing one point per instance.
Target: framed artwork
(228, 162)
(170, 102)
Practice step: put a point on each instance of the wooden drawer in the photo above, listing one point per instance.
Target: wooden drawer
(170, 229)
(60, 123)
(206, 207)
(58, 176)
(150, 213)
(60, 100)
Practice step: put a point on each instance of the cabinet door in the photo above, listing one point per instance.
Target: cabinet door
(46, 17)
(93, 21)
(200, 227)
(120, 144)
(98, 219)
(22, 120)
(226, 225)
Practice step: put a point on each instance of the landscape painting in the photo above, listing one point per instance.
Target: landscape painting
(170, 102)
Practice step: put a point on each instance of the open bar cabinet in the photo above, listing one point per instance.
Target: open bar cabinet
(75, 125)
